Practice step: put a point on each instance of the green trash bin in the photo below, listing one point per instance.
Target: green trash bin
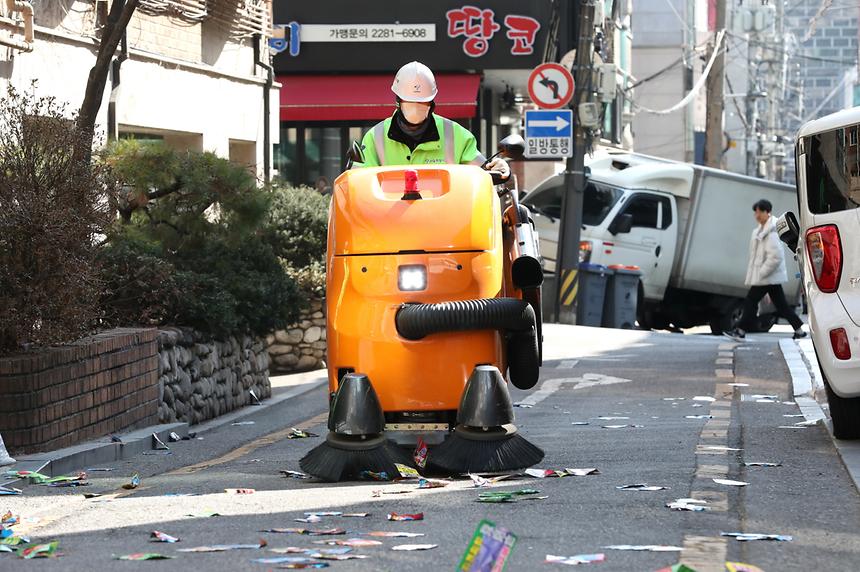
(622, 297)
(592, 290)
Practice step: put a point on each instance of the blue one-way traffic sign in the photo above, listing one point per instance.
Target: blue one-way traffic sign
(549, 133)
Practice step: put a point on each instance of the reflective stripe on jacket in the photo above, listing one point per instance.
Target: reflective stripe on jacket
(456, 145)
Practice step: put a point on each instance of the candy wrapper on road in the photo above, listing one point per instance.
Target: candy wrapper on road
(489, 549)
(386, 534)
(420, 454)
(640, 487)
(479, 481)
(225, 547)
(431, 484)
(350, 542)
(574, 560)
(544, 473)
(746, 536)
(411, 547)
(133, 483)
(405, 517)
(48, 550)
(677, 568)
(144, 556)
(741, 567)
(645, 547)
(295, 475)
(407, 472)
(156, 536)
(305, 531)
(10, 491)
(371, 476)
(300, 434)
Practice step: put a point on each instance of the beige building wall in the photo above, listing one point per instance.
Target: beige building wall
(194, 85)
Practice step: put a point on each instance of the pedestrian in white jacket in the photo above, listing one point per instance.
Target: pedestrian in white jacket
(765, 273)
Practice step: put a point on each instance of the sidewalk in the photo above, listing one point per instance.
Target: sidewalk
(810, 397)
(104, 450)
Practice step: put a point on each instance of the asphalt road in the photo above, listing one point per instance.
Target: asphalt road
(588, 374)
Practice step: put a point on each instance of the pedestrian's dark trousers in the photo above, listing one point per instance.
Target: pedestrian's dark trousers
(777, 296)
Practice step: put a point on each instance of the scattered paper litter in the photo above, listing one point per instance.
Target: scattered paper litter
(240, 423)
(567, 472)
(746, 536)
(350, 542)
(738, 384)
(407, 472)
(575, 560)
(305, 531)
(793, 415)
(489, 548)
(479, 481)
(524, 405)
(138, 556)
(324, 513)
(158, 444)
(741, 567)
(792, 427)
(580, 423)
(300, 434)
(719, 448)
(409, 547)
(641, 487)
(387, 534)
(405, 517)
(157, 536)
(295, 475)
(704, 398)
(698, 416)
(225, 547)
(355, 514)
(133, 483)
(621, 426)
(762, 464)
(645, 547)
(313, 519)
(691, 505)
(608, 418)
(674, 398)
(730, 482)
(239, 491)
(809, 423)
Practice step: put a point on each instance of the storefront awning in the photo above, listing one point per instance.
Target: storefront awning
(367, 97)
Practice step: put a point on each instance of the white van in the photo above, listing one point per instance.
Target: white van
(685, 226)
(827, 242)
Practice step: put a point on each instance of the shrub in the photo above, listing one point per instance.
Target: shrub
(53, 209)
(191, 250)
(297, 225)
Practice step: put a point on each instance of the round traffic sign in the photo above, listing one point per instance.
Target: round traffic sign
(550, 86)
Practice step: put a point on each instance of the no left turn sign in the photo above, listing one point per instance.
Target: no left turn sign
(550, 86)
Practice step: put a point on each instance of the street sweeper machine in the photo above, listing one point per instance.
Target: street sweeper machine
(433, 299)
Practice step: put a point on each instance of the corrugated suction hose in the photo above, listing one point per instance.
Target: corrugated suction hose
(515, 317)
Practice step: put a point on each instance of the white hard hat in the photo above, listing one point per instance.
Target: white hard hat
(415, 82)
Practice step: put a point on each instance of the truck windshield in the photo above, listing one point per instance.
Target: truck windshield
(598, 200)
(833, 170)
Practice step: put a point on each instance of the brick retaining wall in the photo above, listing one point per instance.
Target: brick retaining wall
(61, 396)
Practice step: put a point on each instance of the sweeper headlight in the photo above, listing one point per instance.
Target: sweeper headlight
(412, 278)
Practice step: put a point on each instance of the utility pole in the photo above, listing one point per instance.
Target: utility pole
(751, 135)
(567, 259)
(690, 110)
(716, 96)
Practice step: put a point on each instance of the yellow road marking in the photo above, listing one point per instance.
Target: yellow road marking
(704, 553)
(249, 447)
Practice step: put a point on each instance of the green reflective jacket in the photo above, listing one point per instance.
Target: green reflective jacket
(459, 146)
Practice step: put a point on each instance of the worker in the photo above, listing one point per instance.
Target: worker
(414, 135)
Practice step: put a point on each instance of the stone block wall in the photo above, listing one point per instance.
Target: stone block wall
(60, 396)
(199, 379)
(301, 347)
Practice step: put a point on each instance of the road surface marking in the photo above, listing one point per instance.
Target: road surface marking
(726, 354)
(721, 414)
(704, 553)
(724, 361)
(724, 373)
(247, 448)
(718, 501)
(714, 434)
(567, 364)
(726, 347)
(550, 386)
(712, 472)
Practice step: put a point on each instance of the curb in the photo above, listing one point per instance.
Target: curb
(103, 450)
(805, 384)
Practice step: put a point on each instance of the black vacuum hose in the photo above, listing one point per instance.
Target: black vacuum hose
(516, 317)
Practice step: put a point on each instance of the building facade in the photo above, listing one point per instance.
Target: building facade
(191, 76)
(339, 57)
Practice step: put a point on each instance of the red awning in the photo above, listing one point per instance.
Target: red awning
(367, 97)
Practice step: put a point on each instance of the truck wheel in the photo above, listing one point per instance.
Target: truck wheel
(727, 321)
(845, 413)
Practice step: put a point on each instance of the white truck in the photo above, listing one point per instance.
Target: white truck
(686, 227)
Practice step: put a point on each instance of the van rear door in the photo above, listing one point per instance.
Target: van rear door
(832, 165)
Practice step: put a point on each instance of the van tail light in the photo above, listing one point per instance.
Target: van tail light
(825, 256)
(839, 343)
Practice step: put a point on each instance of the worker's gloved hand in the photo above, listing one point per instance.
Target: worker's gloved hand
(500, 166)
